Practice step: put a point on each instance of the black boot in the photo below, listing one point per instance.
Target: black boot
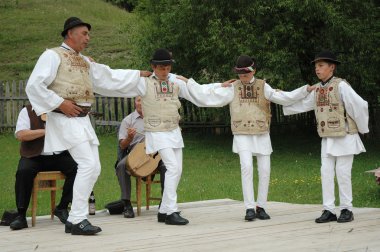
(261, 214)
(250, 214)
(62, 214)
(19, 223)
(175, 219)
(326, 216)
(345, 216)
(84, 228)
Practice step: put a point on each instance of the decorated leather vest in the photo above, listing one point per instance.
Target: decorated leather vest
(33, 148)
(249, 109)
(73, 77)
(332, 119)
(160, 105)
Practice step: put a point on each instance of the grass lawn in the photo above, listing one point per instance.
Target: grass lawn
(212, 171)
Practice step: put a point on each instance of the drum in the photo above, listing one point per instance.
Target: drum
(140, 164)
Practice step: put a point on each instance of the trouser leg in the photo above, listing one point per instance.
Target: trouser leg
(172, 159)
(26, 172)
(343, 174)
(124, 179)
(327, 176)
(87, 157)
(263, 167)
(66, 164)
(246, 165)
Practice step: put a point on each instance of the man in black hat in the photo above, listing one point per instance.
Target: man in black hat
(340, 113)
(249, 99)
(62, 85)
(160, 94)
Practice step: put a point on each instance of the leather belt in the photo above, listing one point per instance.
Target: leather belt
(86, 110)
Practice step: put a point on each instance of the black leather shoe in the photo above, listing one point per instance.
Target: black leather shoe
(68, 226)
(250, 214)
(128, 212)
(345, 216)
(84, 228)
(326, 216)
(261, 214)
(161, 217)
(19, 223)
(62, 214)
(175, 219)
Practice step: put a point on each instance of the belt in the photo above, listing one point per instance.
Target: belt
(86, 110)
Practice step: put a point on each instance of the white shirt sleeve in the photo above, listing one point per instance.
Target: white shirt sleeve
(114, 82)
(304, 105)
(23, 121)
(285, 98)
(355, 106)
(42, 99)
(207, 95)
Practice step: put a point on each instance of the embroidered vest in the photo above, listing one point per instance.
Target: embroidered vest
(249, 110)
(332, 120)
(33, 148)
(160, 105)
(73, 78)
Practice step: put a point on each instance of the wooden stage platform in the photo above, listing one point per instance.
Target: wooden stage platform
(215, 225)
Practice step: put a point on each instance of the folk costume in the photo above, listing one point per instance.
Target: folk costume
(62, 73)
(341, 113)
(250, 124)
(160, 104)
(33, 160)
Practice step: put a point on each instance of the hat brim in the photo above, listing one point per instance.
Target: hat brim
(161, 62)
(64, 32)
(326, 59)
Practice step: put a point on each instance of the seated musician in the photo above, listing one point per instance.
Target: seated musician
(131, 132)
(30, 131)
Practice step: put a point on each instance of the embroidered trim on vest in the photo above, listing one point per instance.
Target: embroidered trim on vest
(160, 105)
(250, 110)
(332, 120)
(73, 78)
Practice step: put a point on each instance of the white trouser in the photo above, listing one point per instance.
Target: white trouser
(263, 167)
(172, 159)
(87, 157)
(343, 166)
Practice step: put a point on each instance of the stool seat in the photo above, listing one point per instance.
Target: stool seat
(45, 181)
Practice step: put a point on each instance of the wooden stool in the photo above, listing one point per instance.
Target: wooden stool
(45, 181)
(148, 184)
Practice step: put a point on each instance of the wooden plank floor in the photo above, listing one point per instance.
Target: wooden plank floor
(215, 225)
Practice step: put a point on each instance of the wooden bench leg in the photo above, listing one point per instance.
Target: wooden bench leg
(34, 202)
(52, 199)
(138, 195)
(147, 190)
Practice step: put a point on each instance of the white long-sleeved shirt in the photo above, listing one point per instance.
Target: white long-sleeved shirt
(63, 132)
(155, 141)
(259, 144)
(356, 108)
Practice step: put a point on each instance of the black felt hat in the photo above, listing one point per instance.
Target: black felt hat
(162, 57)
(326, 56)
(72, 22)
(244, 64)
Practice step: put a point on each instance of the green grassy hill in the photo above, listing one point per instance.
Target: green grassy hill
(28, 27)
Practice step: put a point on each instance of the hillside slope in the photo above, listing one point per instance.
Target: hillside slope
(28, 27)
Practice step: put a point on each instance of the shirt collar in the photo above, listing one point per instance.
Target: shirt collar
(155, 76)
(66, 47)
(136, 115)
(323, 83)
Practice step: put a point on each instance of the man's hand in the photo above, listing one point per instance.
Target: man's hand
(180, 77)
(131, 133)
(311, 88)
(70, 109)
(228, 83)
(145, 73)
